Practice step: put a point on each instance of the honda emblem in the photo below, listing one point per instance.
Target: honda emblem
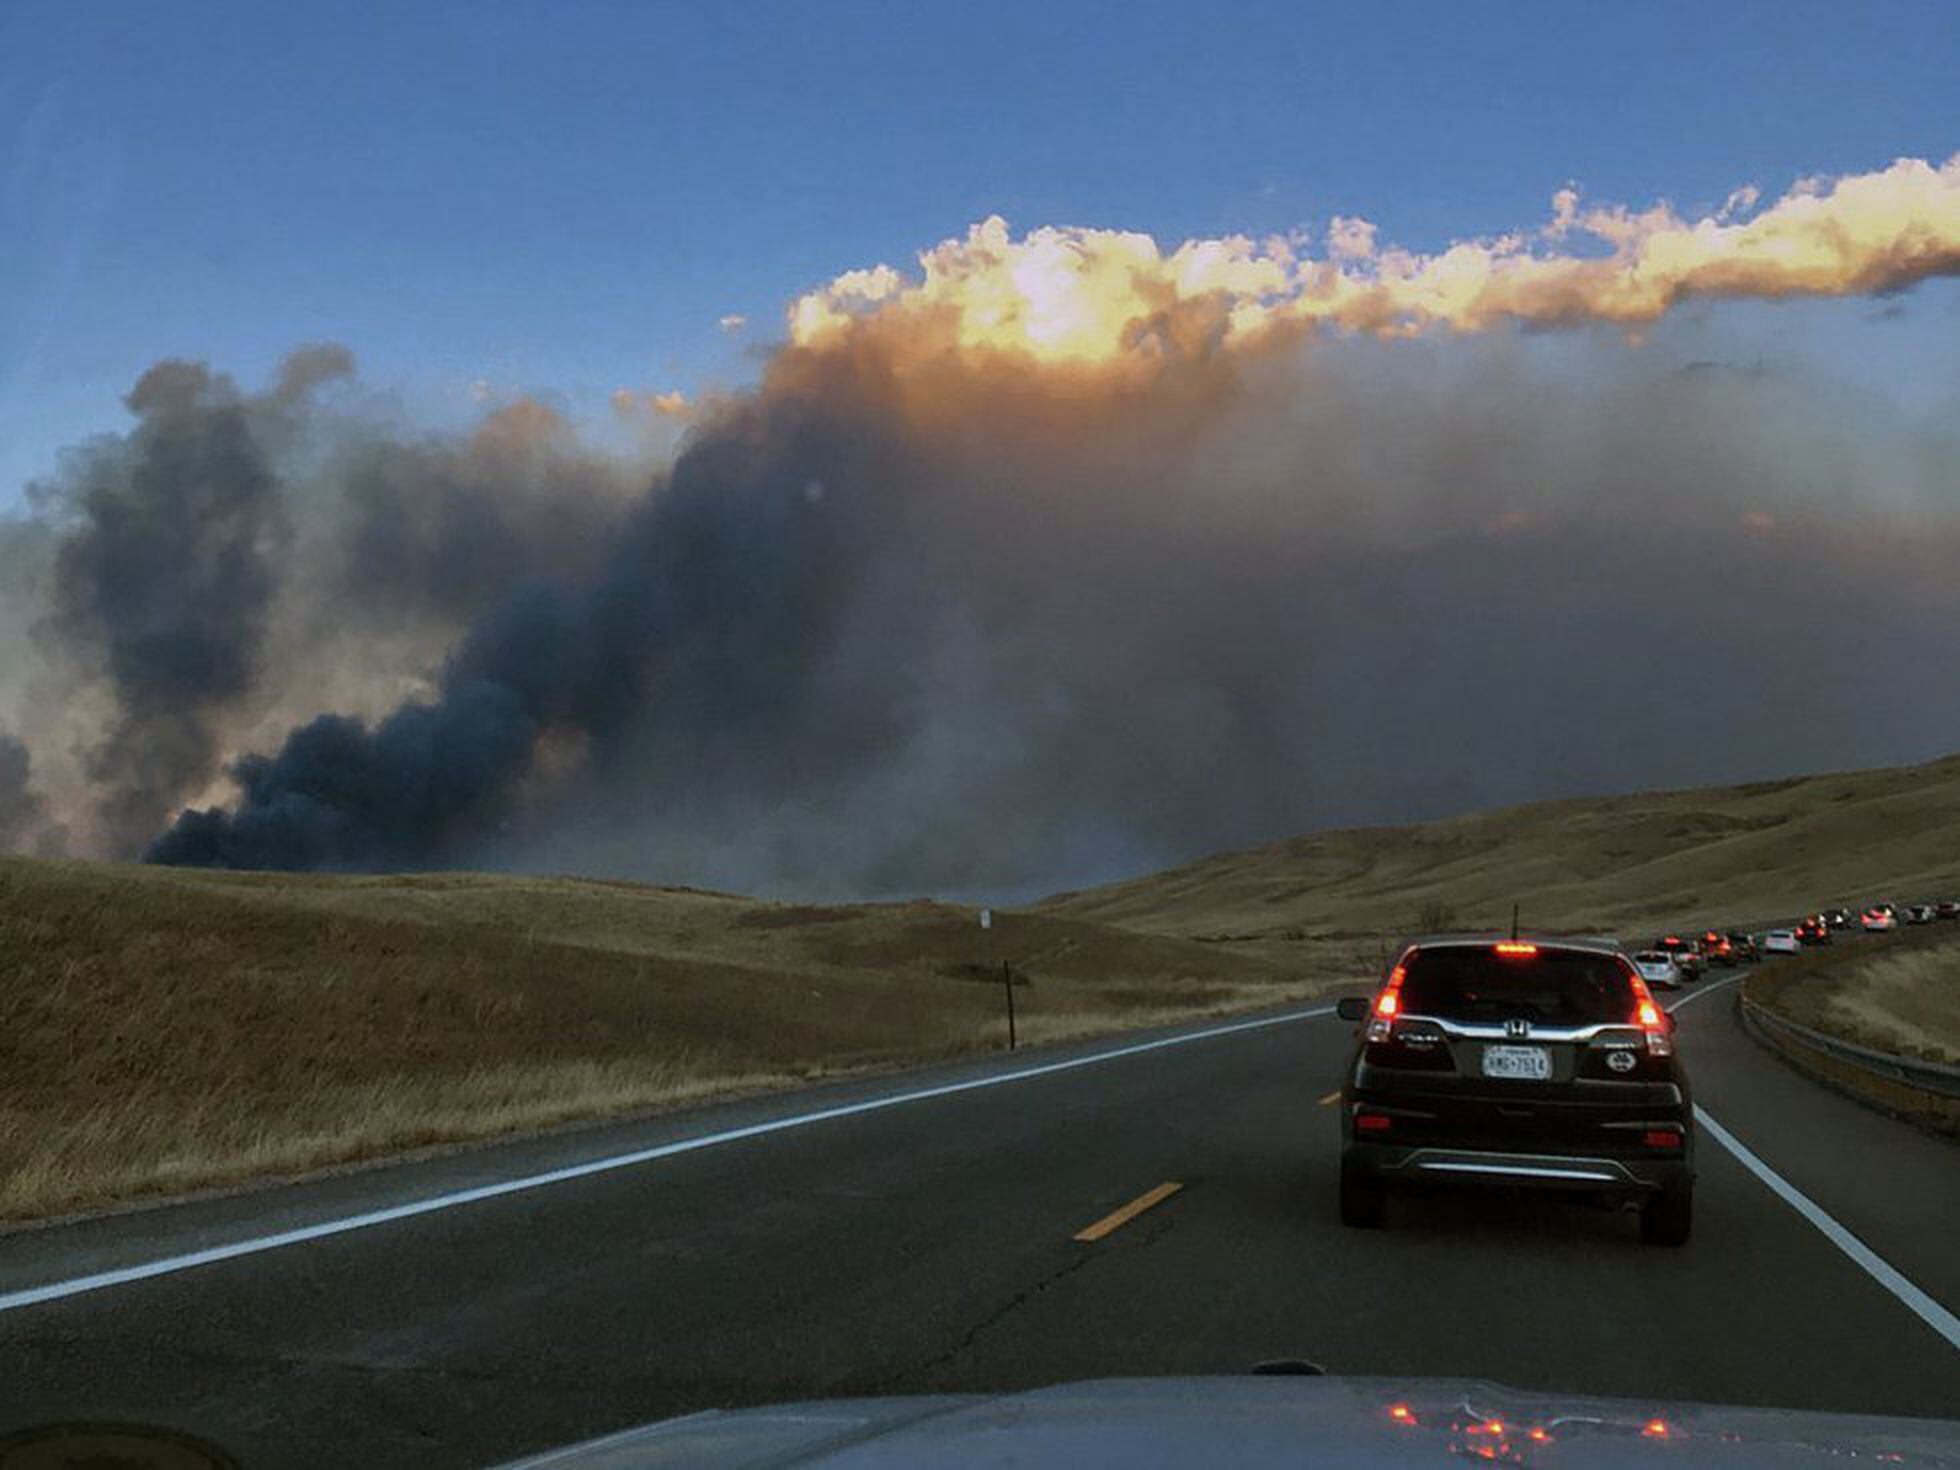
(1517, 1028)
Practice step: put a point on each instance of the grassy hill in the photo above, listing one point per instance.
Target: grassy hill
(1629, 864)
(165, 1029)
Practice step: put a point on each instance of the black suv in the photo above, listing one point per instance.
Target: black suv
(1539, 1062)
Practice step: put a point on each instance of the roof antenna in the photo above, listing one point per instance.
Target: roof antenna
(1514, 921)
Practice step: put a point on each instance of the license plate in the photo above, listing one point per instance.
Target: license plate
(1530, 1063)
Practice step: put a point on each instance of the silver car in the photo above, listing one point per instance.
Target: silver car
(1657, 967)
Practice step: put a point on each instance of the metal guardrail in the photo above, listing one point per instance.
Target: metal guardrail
(1934, 1077)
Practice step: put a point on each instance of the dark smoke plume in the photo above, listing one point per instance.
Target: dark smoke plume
(168, 574)
(877, 633)
(720, 597)
(239, 558)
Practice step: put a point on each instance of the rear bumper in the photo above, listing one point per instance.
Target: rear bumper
(1444, 1166)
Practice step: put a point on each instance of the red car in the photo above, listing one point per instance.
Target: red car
(1718, 949)
(1814, 930)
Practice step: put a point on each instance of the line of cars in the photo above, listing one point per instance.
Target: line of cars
(1543, 1062)
(1673, 959)
(1881, 917)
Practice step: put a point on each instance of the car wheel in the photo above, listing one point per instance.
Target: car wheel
(1364, 1203)
(1669, 1216)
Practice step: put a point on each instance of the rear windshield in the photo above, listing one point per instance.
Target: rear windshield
(1557, 987)
(1653, 957)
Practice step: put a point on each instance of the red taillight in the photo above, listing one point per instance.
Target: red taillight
(1372, 1122)
(1660, 1138)
(1387, 1004)
(1401, 1413)
(1649, 1017)
(1655, 1429)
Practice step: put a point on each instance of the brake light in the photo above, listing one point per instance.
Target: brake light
(1401, 1413)
(1660, 1138)
(1516, 949)
(1649, 1017)
(1373, 1122)
(1655, 1429)
(1387, 1005)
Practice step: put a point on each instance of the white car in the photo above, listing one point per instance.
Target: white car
(1879, 920)
(1919, 913)
(1781, 941)
(1657, 967)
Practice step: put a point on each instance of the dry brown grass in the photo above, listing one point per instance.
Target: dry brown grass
(166, 1030)
(1898, 993)
(1631, 864)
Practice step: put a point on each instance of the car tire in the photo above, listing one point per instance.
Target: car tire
(1364, 1203)
(1668, 1217)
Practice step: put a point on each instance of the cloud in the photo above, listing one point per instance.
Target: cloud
(1103, 296)
(1065, 556)
(1350, 239)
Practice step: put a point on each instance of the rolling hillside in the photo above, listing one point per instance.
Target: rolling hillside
(1629, 863)
(164, 1029)
(170, 1029)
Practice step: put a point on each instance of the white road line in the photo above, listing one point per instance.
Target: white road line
(1876, 1266)
(1698, 994)
(1929, 1311)
(169, 1265)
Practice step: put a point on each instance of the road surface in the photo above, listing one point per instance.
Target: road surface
(917, 1234)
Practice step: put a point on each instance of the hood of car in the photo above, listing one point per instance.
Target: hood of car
(1354, 1423)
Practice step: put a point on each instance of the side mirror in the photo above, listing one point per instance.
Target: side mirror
(1352, 1008)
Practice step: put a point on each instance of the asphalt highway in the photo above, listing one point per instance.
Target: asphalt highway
(918, 1233)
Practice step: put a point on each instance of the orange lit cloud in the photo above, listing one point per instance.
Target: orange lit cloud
(672, 404)
(1070, 295)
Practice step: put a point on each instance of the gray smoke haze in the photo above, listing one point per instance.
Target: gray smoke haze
(189, 589)
(165, 578)
(857, 643)
(990, 631)
(20, 808)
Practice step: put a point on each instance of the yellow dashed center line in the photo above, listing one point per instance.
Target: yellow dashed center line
(1331, 1098)
(1119, 1218)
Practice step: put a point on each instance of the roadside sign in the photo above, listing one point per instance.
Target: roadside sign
(986, 918)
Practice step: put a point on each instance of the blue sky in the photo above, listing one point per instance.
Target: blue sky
(567, 197)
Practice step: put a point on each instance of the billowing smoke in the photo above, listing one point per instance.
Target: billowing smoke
(187, 590)
(168, 572)
(20, 808)
(1069, 558)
